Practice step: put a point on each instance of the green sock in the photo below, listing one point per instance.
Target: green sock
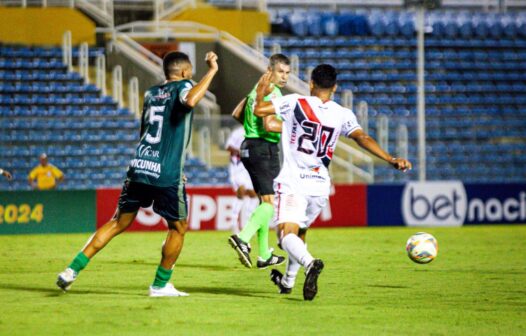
(263, 239)
(79, 263)
(162, 276)
(259, 223)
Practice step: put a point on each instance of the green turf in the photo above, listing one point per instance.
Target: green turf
(476, 286)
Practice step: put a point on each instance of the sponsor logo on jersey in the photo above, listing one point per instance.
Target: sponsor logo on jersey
(162, 95)
(151, 166)
(294, 132)
(284, 107)
(146, 151)
(315, 169)
(312, 176)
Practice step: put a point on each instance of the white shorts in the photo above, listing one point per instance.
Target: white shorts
(296, 208)
(239, 177)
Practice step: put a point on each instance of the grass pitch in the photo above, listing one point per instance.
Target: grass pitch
(476, 286)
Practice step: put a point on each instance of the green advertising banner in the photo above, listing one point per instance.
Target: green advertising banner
(47, 211)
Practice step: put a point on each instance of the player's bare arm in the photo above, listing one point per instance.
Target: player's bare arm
(199, 90)
(369, 144)
(271, 123)
(239, 111)
(263, 108)
(7, 174)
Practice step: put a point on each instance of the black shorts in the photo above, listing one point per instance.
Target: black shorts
(261, 159)
(168, 202)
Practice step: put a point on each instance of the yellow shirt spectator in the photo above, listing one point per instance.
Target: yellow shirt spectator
(45, 174)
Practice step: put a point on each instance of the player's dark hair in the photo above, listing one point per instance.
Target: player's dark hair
(324, 76)
(278, 58)
(172, 60)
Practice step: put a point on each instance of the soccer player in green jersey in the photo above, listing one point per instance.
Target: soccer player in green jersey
(155, 174)
(260, 156)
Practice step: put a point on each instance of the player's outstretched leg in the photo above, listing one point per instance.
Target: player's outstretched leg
(297, 250)
(171, 249)
(95, 243)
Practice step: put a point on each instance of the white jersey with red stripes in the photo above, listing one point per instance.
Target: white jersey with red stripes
(310, 131)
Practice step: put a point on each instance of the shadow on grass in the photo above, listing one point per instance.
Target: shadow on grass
(56, 292)
(156, 263)
(247, 292)
(138, 291)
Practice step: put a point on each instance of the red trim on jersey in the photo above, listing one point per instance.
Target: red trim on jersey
(330, 151)
(309, 113)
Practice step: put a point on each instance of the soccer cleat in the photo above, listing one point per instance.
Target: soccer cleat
(275, 277)
(242, 249)
(272, 261)
(310, 287)
(66, 278)
(168, 290)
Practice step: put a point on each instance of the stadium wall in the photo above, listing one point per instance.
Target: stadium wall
(418, 204)
(41, 26)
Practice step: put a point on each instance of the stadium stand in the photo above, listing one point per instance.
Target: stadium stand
(46, 109)
(475, 82)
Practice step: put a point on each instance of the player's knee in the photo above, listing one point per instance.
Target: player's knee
(181, 226)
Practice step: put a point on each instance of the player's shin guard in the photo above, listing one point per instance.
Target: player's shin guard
(296, 249)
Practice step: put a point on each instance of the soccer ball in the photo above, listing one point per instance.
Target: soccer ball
(422, 248)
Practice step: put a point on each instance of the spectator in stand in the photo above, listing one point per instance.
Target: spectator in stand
(45, 176)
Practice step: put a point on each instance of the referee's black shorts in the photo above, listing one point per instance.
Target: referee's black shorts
(261, 159)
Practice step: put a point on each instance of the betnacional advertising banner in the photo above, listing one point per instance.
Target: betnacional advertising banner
(418, 204)
(446, 203)
(211, 209)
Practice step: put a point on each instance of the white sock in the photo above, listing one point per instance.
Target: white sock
(296, 249)
(236, 212)
(293, 266)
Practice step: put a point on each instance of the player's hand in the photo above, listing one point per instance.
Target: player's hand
(263, 88)
(8, 175)
(211, 60)
(401, 164)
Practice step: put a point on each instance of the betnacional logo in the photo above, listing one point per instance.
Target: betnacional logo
(434, 203)
(446, 204)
